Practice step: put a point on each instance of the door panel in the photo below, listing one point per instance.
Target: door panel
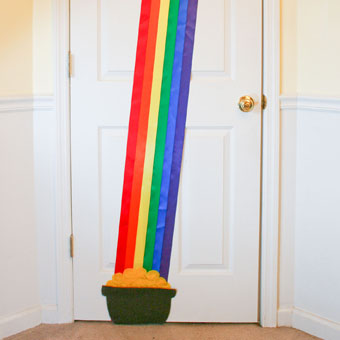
(209, 223)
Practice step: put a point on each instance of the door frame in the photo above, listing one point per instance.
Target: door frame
(269, 224)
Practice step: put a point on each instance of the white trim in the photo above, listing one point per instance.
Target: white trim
(26, 104)
(63, 171)
(43, 103)
(49, 314)
(20, 321)
(270, 189)
(288, 166)
(284, 317)
(310, 323)
(16, 104)
(288, 102)
(310, 103)
(270, 164)
(315, 324)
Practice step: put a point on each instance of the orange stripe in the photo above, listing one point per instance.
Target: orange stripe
(152, 132)
(133, 132)
(142, 135)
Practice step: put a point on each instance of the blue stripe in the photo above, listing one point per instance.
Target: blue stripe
(170, 134)
(179, 138)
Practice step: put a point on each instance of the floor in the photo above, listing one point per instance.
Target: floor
(170, 331)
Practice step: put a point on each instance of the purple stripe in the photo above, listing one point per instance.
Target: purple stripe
(179, 137)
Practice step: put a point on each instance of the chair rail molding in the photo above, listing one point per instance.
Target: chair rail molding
(30, 103)
(310, 103)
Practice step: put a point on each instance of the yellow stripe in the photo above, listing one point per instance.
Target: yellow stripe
(152, 132)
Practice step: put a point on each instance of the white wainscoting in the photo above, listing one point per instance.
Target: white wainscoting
(44, 127)
(309, 296)
(32, 120)
(19, 294)
(308, 289)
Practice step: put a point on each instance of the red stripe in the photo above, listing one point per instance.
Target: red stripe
(140, 68)
(142, 135)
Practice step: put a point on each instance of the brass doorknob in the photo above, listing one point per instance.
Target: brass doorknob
(246, 103)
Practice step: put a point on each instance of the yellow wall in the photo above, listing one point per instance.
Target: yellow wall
(319, 47)
(26, 47)
(16, 47)
(288, 46)
(42, 47)
(310, 47)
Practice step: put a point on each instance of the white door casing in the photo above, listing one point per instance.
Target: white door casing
(216, 246)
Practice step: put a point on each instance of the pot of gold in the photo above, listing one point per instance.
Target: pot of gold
(138, 297)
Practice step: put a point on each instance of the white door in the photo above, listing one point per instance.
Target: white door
(215, 259)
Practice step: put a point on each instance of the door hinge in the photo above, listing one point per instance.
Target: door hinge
(69, 64)
(264, 102)
(72, 245)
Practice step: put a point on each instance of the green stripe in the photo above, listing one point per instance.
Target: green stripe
(161, 133)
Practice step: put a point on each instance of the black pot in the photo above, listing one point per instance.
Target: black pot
(138, 305)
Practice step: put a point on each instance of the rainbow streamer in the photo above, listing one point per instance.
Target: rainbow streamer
(156, 134)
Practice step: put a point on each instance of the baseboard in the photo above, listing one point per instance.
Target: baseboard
(309, 323)
(29, 318)
(49, 314)
(284, 317)
(20, 321)
(315, 325)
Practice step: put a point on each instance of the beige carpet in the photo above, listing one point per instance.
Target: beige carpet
(170, 331)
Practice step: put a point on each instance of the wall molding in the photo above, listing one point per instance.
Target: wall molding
(20, 321)
(26, 104)
(269, 246)
(309, 322)
(44, 103)
(16, 104)
(284, 317)
(49, 314)
(64, 263)
(310, 103)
